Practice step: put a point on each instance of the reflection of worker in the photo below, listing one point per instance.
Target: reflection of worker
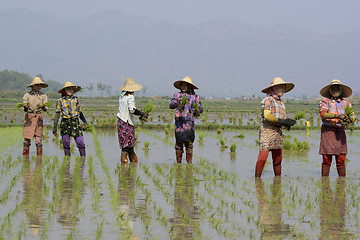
(333, 210)
(184, 204)
(126, 190)
(33, 200)
(270, 210)
(71, 192)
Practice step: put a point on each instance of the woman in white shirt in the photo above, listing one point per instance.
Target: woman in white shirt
(125, 122)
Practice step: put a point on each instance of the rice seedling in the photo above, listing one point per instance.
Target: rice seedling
(241, 136)
(88, 128)
(184, 100)
(233, 149)
(47, 104)
(19, 105)
(301, 146)
(299, 115)
(146, 145)
(222, 144)
(349, 111)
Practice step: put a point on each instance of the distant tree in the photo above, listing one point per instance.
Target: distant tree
(40, 76)
(16, 81)
(101, 88)
(108, 90)
(144, 90)
(13, 80)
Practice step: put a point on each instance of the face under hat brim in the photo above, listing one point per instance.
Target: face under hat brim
(288, 87)
(345, 90)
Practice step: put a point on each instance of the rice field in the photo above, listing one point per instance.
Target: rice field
(215, 197)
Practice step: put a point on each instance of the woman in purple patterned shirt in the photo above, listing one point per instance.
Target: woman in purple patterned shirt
(188, 107)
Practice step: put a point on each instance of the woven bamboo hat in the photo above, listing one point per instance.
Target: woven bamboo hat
(37, 81)
(186, 79)
(67, 85)
(345, 90)
(130, 86)
(278, 81)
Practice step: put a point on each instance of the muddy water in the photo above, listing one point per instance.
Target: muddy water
(215, 197)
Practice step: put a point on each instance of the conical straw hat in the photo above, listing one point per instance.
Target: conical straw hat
(186, 79)
(279, 81)
(37, 81)
(69, 84)
(345, 90)
(130, 86)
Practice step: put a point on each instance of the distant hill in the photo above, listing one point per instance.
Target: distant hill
(224, 58)
(16, 81)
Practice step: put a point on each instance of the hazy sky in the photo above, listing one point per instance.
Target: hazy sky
(321, 16)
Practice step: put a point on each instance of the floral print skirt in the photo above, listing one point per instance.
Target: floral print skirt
(71, 127)
(126, 133)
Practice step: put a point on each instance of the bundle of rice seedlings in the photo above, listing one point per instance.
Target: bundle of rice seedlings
(19, 105)
(349, 111)
(299, 115)
(88, 128)
(47, 104)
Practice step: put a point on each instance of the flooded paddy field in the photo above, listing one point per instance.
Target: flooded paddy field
(215, 197)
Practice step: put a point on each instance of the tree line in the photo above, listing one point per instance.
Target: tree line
(14, 85)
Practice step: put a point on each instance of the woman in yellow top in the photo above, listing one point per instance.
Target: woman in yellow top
(68, 107)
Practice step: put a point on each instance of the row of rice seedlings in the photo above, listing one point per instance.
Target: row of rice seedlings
(6, 228)
(5, 194)
(10, 137)
(224, 207)
(181, 214)
(7, 164)
(95, 185)
(122, 218)
(145, 219)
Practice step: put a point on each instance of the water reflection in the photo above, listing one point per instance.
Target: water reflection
(127, 199)
(186, 214)
(34, 201)
(270, 210)
(333, 210)
(71, 191)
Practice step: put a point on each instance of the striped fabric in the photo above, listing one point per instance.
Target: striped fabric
(68, 107)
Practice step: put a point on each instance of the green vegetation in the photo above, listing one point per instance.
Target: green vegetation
(233, 148)
(296, 145)
(349, 111)
(299, 115)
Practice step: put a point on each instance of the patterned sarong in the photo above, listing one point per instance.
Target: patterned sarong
(126, 133)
